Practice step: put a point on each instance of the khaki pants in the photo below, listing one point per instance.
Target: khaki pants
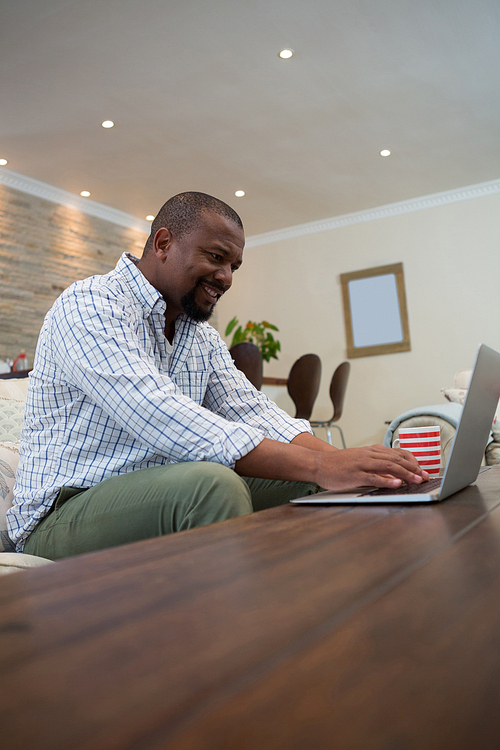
(152, 502)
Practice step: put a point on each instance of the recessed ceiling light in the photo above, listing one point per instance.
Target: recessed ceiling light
(385, 152)
(85, 193)
(108, 124)
(239, 193)
(3, 162)
(149, 217)
(285, 54)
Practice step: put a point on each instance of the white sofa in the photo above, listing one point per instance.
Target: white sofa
(12, 397)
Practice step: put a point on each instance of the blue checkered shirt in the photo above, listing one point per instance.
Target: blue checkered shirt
(105, 398)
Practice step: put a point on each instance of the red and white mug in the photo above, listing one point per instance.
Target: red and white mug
(424, 443)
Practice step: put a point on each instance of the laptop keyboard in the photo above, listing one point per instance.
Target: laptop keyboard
(408, 489)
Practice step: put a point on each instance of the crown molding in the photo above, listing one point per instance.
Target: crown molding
(113, 215)
(65, 198)
(480, 190)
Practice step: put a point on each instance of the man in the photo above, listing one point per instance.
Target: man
(137, 423)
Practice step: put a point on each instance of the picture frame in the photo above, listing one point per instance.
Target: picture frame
(375, 311)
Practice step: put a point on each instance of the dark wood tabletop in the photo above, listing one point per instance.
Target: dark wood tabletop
(300, 627)
(274, 381)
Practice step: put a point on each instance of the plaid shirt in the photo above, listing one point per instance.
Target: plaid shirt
(105, 398)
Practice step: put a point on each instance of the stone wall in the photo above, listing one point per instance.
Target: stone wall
(45, 247)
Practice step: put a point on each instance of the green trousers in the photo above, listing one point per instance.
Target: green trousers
(152, 502)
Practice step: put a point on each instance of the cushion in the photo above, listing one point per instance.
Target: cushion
(12, 561)
(9, 459)
(455, 395)
(462, 379)
(11, 419)
(458, 393)
(461, 382)
(495, 427)
(492, 454)
(16, 388)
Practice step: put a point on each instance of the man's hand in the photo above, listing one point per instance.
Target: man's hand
(374, 465)
(331, 469)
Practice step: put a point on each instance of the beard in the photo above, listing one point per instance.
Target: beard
(192, 309)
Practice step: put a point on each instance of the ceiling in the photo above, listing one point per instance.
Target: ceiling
(201, 101)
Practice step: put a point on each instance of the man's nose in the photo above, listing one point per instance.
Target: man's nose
(224, 274)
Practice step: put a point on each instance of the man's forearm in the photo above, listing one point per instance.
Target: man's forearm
(276, 460)
(306, 440)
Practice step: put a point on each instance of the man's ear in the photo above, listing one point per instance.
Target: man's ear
(162, 242)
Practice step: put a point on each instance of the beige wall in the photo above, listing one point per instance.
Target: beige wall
(451, 257)
(44, 247)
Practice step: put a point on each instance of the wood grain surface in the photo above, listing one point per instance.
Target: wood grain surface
(297, 627)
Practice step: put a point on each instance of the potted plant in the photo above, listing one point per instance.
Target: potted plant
(255, 333)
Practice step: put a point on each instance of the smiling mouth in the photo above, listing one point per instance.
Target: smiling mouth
(212, 292)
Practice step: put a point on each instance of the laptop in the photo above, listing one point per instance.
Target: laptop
(466, 453)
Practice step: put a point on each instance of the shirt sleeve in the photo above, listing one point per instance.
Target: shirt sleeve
(96, 347)
(231, 395)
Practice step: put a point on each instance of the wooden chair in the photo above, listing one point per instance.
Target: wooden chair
(303, 384)
(338, 388)
(248, 358)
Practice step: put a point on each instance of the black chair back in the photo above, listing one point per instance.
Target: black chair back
(303, 384)
(248, 358)
(338, 387)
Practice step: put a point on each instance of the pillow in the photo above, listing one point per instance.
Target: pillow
(11, 419)
(11, 562)
(9, 459)
(495, 428)
(462, 379)
(456, 395)
(16, 388)
(492, 454)
(459, 392)
(461, 382)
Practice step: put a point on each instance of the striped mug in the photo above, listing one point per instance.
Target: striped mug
(424, 443)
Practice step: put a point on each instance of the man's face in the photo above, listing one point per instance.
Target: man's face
(199, 267)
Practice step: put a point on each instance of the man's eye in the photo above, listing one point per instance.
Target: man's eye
(216, 256)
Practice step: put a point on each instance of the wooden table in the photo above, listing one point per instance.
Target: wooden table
(274, 381)
(294, 628)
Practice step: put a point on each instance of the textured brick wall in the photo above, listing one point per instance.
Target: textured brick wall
(44, 247)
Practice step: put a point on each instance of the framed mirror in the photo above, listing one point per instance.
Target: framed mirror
(375, 312)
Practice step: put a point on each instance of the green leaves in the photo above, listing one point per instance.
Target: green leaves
(255, 333)
(232, 323)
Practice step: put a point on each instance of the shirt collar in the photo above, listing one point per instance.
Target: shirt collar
(148, 296)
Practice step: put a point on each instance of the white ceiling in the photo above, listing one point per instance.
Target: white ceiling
(201, 101)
